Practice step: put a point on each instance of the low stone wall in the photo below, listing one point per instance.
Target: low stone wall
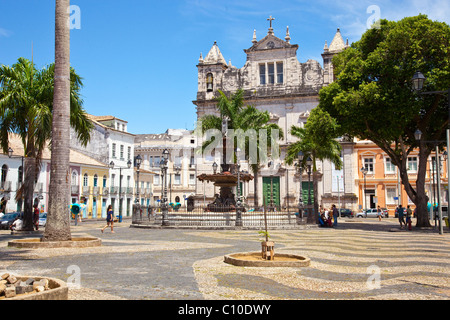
(32, 288)
(36, 243)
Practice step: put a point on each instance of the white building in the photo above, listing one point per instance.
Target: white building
(273, 80)
(111, 143)
(182, 169)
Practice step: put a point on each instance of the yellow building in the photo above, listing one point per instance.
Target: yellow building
(93, 182)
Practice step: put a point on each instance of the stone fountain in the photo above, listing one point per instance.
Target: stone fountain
(225, 200)
(228, 177)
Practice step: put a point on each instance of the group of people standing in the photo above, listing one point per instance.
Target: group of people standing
(401, 212)
(325, 216)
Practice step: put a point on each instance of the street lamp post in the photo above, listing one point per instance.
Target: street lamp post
(164, 204)
(111, 166)
(238, 190)
(418, 136)
(364, 171)
(418, 81)
(138, 161)
(309, 166)
(300, 169)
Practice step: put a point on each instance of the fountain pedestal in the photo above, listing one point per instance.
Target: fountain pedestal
(225, 201)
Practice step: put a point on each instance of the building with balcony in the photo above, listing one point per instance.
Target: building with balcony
(112, 145)
(380, 184)
(182, 167)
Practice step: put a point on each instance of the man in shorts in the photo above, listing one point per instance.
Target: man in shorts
(401, 216)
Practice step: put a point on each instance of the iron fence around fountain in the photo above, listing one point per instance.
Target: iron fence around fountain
(202, 217)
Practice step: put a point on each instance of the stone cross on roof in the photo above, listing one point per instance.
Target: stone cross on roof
(270, 19)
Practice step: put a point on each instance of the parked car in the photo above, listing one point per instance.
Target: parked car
(345, 213)
(42, 219)
(7, 220)
(385, 212)
(371, 213)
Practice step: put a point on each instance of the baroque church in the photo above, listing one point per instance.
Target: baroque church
(274, 80)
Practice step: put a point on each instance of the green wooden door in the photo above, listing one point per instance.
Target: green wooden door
(271, 184)
(305, 192)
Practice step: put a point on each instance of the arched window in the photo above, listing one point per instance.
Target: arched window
(74, 180)
(20, 175)
(104, 181)
(209, 82)
(95, 180)
(4, 173)
(85, 180)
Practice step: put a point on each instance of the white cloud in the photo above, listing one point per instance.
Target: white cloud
(352, 16)
(5, 33)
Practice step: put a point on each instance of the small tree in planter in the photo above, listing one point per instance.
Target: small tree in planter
(267, 247)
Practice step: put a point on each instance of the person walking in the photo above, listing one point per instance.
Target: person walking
(335, 215)
(109, 219)
(36, 216)
(408, 218)
(401, 217)
(379, 213)
(75, 209)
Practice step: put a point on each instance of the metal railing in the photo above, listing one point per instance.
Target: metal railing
(202, 217)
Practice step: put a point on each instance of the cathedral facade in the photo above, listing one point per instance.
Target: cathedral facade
(274, 80)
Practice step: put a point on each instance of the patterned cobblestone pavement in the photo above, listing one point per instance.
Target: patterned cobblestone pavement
(360, 259)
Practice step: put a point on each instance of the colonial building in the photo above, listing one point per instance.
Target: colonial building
(88, 177)
(273, 79)
(182, 168)
(112, 145)
(379, 184)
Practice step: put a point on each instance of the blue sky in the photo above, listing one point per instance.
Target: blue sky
(138, 57)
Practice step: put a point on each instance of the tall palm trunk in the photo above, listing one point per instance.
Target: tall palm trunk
(255, 169)
(58, 223)
(28, 191)
(316, 192)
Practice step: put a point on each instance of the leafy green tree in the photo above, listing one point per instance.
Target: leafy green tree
(318, 140)
(244, 118)
(372, 96)
(26, 106)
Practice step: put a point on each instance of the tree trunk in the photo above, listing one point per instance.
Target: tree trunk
(310, 219)
(421, 199)
(28, 192)
(316, 200)
(58, 221)
(418, 196)
(255, 183)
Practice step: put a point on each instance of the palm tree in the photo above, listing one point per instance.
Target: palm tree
(58, 223)
(318, 141)
(243, 118)
(26, 105)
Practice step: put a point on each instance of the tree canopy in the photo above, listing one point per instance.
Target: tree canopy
(317, 140)
(372, 97)
(243, 119)
(26, 108)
